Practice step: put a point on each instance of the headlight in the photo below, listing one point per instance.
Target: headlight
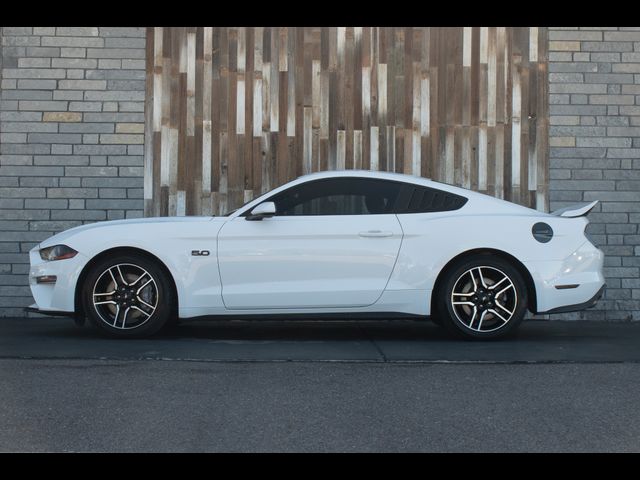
(57, 252)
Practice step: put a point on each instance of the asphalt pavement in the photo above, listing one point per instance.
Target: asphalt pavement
(353, 386)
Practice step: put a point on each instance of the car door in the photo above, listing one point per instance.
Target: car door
(332, 243)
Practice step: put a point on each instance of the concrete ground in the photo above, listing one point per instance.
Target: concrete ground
(319, 386)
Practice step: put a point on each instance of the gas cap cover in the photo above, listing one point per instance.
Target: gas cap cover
(542, 232)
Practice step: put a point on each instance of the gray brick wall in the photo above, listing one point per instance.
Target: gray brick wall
(594, 96)
(71, 138)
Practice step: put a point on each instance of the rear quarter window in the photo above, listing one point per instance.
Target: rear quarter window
(417, 199)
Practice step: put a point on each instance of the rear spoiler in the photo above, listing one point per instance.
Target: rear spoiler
(577, 210)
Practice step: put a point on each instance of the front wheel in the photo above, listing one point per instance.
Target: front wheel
(482, 297)
(128, 296)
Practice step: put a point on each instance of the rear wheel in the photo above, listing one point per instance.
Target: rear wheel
(482, 297)
(128, 296)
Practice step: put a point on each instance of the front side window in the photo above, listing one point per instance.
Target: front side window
(338, 196)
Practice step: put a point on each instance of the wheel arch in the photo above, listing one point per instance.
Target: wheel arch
(517, 264)
(80, 314)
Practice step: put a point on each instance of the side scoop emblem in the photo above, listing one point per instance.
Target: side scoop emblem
(200, 253)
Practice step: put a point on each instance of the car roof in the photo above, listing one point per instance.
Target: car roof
(482, 200)
(398, 177)
(485, 201)
(363, 173)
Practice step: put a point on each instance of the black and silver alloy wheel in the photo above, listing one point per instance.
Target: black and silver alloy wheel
(128, 296)
(481, 297)
(484, 298)
(125, 296)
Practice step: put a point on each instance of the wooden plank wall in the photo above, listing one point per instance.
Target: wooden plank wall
(234, 112)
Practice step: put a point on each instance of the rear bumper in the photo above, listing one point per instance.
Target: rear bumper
(579, 306)
(571, 284)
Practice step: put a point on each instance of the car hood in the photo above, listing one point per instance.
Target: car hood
(63, 236)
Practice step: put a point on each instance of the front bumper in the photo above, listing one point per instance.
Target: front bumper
(54, 313)
(59, 297)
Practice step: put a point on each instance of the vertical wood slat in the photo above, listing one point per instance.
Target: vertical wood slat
(150, 121)
(233, 112)
(482, 139)
(516, 118)
(466, 107)
(191, 83)
(495, 127)
(542, 122)
(206, 110)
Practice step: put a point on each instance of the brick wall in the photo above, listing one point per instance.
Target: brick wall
(595, 149)
(71, 138)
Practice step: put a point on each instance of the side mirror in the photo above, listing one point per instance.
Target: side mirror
(264, 210)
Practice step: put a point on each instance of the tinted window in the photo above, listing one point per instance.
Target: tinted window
(416, 199)
(338, 196)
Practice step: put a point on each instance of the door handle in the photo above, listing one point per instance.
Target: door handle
(376, 233)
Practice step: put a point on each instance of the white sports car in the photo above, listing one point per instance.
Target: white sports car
(353, 243)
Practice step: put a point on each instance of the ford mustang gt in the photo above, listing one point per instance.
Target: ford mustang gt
(354, 243)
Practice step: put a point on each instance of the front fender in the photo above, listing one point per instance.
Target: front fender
(196, 277)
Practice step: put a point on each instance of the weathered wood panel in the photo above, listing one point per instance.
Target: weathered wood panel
(234, 112)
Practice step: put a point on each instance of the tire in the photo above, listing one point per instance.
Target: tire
(134, 298)
(470, 306)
